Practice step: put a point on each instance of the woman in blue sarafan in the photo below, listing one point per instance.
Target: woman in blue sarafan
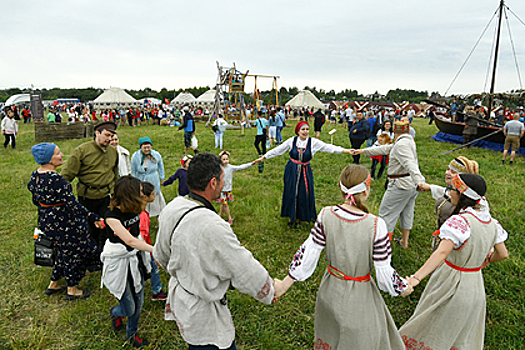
(298, 196)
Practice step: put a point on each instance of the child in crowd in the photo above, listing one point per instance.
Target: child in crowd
(382, 139)
(10, 128)
(181, 174)
(226, 193)
(126, 264)
(148, 193)
(355, 241)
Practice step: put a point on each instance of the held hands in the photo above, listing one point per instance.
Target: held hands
(413, 281)
(355, 152)
(258, 160)
(423, 187)
(407, 291)
(100, 224)
(281, 286)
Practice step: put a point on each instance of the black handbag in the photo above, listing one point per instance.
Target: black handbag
(45, 251)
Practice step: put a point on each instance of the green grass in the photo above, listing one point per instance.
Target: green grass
(30, 320)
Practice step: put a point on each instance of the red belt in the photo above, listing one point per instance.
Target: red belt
(462, 269)
(50, 205)
(338, 274)
(304, 173)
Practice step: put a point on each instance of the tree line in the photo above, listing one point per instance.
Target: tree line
(267, 97)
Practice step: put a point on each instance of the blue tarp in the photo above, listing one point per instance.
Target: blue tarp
(444, 137)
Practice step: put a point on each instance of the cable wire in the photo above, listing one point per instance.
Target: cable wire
(470, 54)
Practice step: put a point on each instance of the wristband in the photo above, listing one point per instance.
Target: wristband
(414, 276)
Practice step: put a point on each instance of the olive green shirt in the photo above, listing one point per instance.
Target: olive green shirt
(94, 167)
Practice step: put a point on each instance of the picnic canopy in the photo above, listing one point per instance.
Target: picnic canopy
(305, 99)
(114, 97)
(183, 98)
(18, 100)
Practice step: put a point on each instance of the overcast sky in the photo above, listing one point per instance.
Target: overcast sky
(361, 45)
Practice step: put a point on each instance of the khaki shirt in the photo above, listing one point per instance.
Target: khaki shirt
(403, 160)
(94, 167)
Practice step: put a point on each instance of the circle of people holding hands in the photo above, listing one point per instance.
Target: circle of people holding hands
(204, 257)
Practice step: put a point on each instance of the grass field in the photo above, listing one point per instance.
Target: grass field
(31, 320)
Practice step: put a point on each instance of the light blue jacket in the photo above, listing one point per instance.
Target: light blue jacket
(154, 172)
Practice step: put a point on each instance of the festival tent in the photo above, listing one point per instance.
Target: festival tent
(207, 99)
(114, 96)
(305, 99)
(18, 100)
(183, 98)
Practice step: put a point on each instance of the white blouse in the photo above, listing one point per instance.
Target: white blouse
(307, 257)
(457, 229)
(317, 145)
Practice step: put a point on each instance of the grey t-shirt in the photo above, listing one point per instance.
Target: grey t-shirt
(514, 127)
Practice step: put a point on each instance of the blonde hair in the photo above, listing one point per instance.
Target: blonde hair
(353, 175)
(471, 166)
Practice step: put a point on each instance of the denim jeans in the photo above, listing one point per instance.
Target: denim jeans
(130, 306)
(279, 138)
(218, 139)
(210, 347)
(155, 277)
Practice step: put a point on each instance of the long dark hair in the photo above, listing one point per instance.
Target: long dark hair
(127, 195)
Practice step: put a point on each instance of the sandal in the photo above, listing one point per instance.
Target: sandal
(86, 293)
(50, 291)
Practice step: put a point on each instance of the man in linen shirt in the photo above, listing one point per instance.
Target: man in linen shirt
(204, 259)
(404, 179)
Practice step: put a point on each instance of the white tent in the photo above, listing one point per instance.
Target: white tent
(207, 99)
(18, 100)
(114, 96)
(183, 98)
(305, 99)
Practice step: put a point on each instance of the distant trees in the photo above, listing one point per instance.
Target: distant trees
(400, 95)
(268, 97)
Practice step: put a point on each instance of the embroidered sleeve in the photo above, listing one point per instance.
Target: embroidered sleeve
(388, 279)
(307, 256)
(455, 229)
(502, 234)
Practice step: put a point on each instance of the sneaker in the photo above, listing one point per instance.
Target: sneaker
(511, 162)
(159, 296)
(117, 323)
(230, 221)
(138, 342)
(502, 162)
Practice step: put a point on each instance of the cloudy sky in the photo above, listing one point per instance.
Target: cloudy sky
(361, 45)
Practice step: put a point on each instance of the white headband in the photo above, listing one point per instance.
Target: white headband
(353, 190)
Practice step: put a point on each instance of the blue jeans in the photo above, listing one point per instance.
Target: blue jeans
(130, 306)
(210, 347)
(279, 138)
(155, 277)
(218, 139)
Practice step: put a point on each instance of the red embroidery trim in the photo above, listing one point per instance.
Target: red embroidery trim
(320, 345)
(265, 290)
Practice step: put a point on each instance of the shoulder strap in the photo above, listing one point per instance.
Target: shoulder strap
(182, 217)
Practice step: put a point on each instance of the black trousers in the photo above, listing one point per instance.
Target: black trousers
(260, 139)
(356, 144)
(97, 206)
(13, 141)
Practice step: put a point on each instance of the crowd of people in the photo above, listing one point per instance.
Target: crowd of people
(107, 228)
